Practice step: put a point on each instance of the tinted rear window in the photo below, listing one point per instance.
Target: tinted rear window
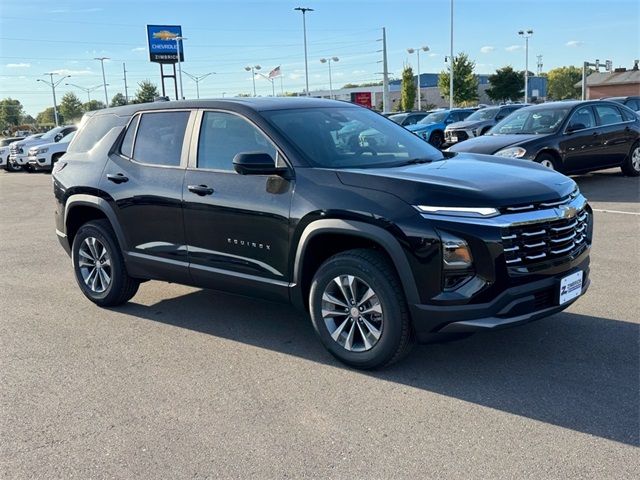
(94, 130)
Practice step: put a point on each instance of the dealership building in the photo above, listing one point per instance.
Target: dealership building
(372, 96)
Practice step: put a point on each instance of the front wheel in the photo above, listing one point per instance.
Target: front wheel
(13, 167)
(631, 164)
(547, 160)
(99, 266)
(436, 139)
(359, 311)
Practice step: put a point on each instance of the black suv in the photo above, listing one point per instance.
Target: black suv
(382, 244)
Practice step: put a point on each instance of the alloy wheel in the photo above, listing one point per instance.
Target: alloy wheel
(547, 163)
(94, 262)
(635, 159)
(352, 313)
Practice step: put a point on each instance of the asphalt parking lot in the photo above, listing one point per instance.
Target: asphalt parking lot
(186, 383)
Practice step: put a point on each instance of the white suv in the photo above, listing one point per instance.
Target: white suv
(19, 150)
(42, 157)
(5, 145)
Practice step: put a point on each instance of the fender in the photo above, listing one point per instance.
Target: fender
(81, 199)
(357, 229)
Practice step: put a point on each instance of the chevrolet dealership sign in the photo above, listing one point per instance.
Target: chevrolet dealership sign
(163, 44)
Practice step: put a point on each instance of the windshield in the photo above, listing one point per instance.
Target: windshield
(435, 117)
(531, 121)
(51, 133)
(348, 137)
(68, 137)
(484, 114)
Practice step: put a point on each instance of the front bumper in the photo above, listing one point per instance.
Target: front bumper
(19, 159)
(451, 137)
(37, 163)
(514, 306)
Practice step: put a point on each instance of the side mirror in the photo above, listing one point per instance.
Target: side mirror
(575, 127)
(58, 137)
(256, 163)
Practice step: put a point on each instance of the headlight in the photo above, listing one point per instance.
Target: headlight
(459, 211)
(43, 150)
(512, 152)
(455, 252)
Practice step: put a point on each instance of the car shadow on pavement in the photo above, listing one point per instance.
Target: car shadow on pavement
(575, 371)
(609, 186)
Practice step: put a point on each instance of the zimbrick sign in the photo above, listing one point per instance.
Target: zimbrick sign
(163, 44)
(361, 98)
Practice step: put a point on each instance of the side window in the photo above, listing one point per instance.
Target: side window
(627, 115)
(634, 105)
(127, 143)
(608, 114)
(223, 136)
(160, 138)
(581, 119)
(504, 112)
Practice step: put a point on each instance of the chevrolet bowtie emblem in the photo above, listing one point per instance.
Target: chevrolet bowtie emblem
(566, 212)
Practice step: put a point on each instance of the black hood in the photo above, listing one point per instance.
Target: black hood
(490, 144)
(465, 181)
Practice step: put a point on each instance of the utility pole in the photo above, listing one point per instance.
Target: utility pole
(53, 86)
(539, 69)
(385, 73)
(526, 36)
(304, 10)
(126, 92)
(451, 62)
(417, 52)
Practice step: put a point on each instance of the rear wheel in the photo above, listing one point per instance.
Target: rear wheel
(631, 164)
(436, 139)
(99, 265)
(547, 160)
(359, 311)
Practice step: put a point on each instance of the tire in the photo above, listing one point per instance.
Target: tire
(631, 165)
(12, 167)
(548, 160)
(88, 244)
(27, 168)
(388, 314)
(436, 139)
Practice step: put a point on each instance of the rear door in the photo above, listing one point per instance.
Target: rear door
(237, 226)
(144, 180)
(616, 135)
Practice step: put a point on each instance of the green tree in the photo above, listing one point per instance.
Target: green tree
(407, 89)
(146, 92)
(118, 100)
(465, 83)
(11, 112)
(28, 120)
(46, 117)
(562, 82)
(92, 105)
(506, 84)
(71, 107)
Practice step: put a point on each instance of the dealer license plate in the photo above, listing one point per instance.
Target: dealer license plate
(454, 139)
(570, 287)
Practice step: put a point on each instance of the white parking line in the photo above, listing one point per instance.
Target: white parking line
(615, 211)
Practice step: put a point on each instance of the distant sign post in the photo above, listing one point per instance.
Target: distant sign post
(163, 49)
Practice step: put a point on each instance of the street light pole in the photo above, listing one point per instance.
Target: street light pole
(526, 36)
(85, 89)
(197, 79)
(253, 75)
(304, 10)
(328, 62)
(104, 81)
(273, 88)
(417, 52)
(451, 62)
(53, 86)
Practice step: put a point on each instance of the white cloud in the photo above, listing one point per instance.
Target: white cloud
(295, 76)
(18, 65)
(139, 49)
(359, 72)
(513, 48)
(73, 73)
(435, 55)
(487, 49)
(574, 43)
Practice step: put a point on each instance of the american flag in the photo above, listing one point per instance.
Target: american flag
(275, 72)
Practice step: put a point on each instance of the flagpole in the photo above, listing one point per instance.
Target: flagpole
(281, 87)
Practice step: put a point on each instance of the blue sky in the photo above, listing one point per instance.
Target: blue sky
(225, 36)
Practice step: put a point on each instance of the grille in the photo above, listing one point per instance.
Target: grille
(14, 149)
(541, 205)
(538, 242)
(461, 134)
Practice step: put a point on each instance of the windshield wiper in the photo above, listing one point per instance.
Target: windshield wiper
(416, 161)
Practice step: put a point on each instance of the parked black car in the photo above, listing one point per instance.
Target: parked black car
(571, 137)
(633, 102)
(408, 118)
(478, 123)
(382, 244)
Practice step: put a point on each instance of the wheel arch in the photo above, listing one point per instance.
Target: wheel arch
(554, 153)
(324, 238)
(82, 208)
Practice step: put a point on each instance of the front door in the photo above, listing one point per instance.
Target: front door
(237, 226)
(581, 141)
